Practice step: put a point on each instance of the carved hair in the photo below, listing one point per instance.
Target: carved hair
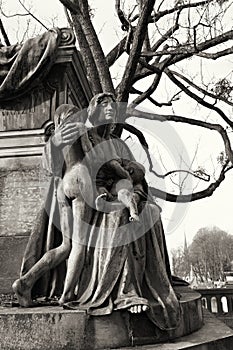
(92, 109)
(65, 111)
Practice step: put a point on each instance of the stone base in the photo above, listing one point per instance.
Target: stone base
(214, 335)
(52, 328)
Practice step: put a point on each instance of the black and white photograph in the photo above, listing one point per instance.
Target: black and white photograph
(116, 170)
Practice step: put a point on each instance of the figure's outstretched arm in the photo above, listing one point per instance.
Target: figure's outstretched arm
(65, 134)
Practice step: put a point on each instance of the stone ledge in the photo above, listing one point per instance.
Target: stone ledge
(214, 335)
(52, 328)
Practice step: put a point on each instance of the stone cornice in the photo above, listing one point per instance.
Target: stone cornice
(22, 143)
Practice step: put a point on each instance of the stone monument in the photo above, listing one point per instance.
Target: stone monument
(102, 271)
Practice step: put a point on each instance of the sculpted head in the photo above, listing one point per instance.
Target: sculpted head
(102, 109)
(136, 171)
(68, 113)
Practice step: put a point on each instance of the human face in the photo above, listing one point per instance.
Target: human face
(107, 111)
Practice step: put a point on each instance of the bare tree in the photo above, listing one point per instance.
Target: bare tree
(161, 40)
(211, 253)
(160, 37)
(180, 262)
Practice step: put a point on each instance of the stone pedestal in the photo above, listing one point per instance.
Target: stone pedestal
(24, 128)
(54, 328)
(214, 335)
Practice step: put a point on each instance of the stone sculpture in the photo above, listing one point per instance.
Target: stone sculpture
(112, 263)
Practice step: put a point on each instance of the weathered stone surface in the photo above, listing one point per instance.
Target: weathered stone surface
(54, 328)
(144, 332)
(11, 254)
(21, 196)
(34, 114)
(41, 330)
(214, 335)
(65, 83)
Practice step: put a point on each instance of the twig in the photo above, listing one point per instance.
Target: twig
(31, 14)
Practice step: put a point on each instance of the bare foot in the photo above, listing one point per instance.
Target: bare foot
(66, 298)
(23, 293)
(137, 309)
(134, 217)
(100, 201)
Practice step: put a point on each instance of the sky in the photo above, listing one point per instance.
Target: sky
(178, 219)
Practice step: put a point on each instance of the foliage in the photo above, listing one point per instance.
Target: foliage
(223, 88)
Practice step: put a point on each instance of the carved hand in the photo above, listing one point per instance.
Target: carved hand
(67, 134)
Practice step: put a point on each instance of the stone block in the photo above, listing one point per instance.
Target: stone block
(21, 195)
(42, 329)
(54, 328)
(11, 254)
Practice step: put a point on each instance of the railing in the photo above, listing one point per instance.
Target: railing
(217, 300)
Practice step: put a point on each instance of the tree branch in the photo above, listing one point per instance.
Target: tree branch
(198, 50)
(31, 14)
(152, 100)
(89, 62)
(138, 40)
(180, 119)
(81, 10)
(4, 34)
(124, 21)
(179, 8)
(187, 49)
(116, 52)
(203, 91)
(142, 140)
(185, 198)
(170, 74)
(164, 37)
(146, 94)
(207, 44)
(215, 55)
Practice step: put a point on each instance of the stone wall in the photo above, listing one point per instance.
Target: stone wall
(20, 197)
(22, 189)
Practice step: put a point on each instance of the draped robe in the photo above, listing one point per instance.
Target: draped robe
(125, 264)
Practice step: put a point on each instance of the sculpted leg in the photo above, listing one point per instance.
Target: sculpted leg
(81, 216)
(129, 200)
(22, 287)
(82, 192)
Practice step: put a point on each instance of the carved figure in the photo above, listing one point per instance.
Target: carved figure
(124, 265)
(110, 186)
(22, 287)
(79, 160)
